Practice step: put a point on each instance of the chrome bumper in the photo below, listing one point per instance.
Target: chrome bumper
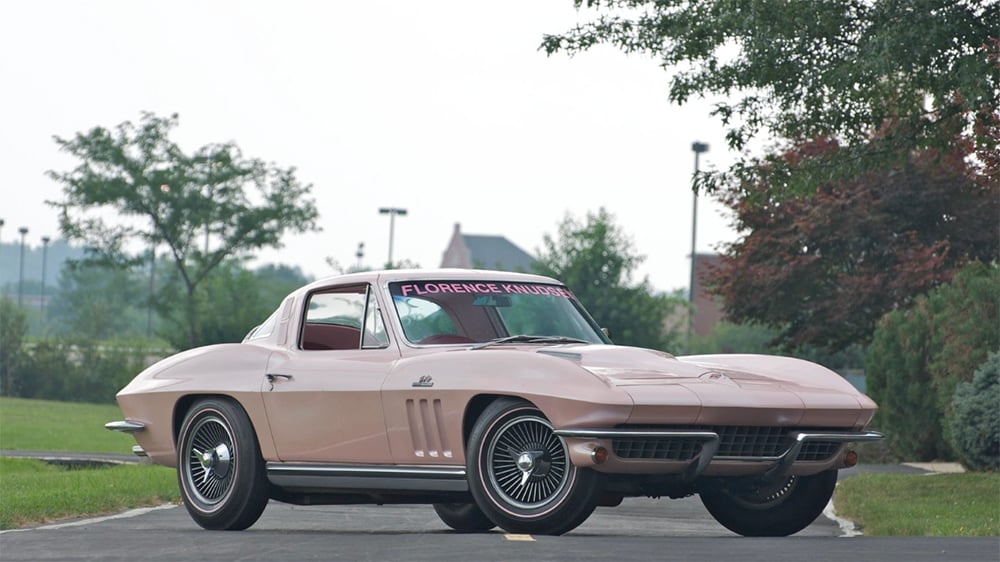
(710, 445)
(129, 427)
(125, 426)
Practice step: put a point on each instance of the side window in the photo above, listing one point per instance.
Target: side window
(265, 329)
(334, 318)
(373, 334)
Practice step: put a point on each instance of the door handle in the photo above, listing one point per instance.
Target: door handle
(272, 376)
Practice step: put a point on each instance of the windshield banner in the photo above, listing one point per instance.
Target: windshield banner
(478, 288)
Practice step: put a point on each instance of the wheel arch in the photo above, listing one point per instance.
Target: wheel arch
(184, 404)
(475, 407)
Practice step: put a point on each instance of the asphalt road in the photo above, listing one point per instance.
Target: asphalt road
(639, 530)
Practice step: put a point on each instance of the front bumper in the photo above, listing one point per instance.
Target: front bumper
(692, 452)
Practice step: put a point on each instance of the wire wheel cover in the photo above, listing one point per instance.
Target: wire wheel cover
(526, 463)
(764, 495)
(210, 462)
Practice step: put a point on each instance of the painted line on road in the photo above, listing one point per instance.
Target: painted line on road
(516, 537)
(124, 515)
(847, 528)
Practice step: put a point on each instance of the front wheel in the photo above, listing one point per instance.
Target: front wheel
(756, 508)
(219, 467)
(520, 473)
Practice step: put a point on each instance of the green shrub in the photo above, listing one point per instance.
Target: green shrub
(79, 371)
(13, 327)
(898, 379)
(975, 419)
(918, 355)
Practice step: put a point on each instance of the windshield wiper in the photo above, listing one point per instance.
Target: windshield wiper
(524, 338)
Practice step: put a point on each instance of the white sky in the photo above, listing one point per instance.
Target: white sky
(445, 108)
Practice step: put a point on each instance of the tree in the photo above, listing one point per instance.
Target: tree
(841, 69)
(205, 207)
(596, 260)
(233, 300)
(824, 267)
(13, 328)
(96, 302)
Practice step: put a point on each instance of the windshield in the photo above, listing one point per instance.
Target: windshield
(454, 312)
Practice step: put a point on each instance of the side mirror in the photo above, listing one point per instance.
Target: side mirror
(607, 332)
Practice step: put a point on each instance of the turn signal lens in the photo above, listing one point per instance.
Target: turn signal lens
(599, 455)
(850, 458)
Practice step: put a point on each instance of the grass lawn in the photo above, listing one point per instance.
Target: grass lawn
(937, 505)
(43, 425)
(35, 492)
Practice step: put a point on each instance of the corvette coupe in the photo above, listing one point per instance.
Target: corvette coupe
(494, 397)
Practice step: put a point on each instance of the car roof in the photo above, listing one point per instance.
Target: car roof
(458, 274)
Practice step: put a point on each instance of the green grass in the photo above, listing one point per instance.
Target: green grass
(936, 505)
(34, 492)
(43, 425)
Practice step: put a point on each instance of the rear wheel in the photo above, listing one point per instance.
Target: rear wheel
(756, 508)
(464, 517)
(520, 473)
(219, 466)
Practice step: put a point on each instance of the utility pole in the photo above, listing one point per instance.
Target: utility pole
(392, 212)
(697, 148)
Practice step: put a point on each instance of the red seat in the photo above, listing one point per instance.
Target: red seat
(330, 336)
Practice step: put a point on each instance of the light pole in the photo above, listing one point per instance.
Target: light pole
(392, 212)
(20, 271)
(360, 254)
(45, 259)
(1, 228)
(697, 148)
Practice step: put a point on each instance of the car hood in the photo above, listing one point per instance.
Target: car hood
(752, 389)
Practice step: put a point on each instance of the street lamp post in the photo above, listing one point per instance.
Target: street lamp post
(1, 228)
(392, 212)
(360, 254)
(45, 259)
(20, 271)
(698, 148)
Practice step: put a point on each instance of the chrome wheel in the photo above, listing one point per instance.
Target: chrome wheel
(527, 462)
(219, 466)
(210, 461)
(521, 475)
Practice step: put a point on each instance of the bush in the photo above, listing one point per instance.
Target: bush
(79, 371)
(975, 419)
(13, 327)
(899, 380)
(918, 356)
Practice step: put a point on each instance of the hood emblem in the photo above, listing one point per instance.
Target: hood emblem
(424, 382)
(715, 376)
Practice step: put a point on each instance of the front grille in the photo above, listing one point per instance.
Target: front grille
(658, 448)
(734, 441)
(818, 450)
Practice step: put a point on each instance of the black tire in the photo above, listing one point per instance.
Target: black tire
(464, 517)
(219, 467)
(520, 473)
(754, 508)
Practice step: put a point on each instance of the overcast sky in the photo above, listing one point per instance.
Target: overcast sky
(445, 108)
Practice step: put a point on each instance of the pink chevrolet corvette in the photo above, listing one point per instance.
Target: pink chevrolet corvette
(496, 398)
